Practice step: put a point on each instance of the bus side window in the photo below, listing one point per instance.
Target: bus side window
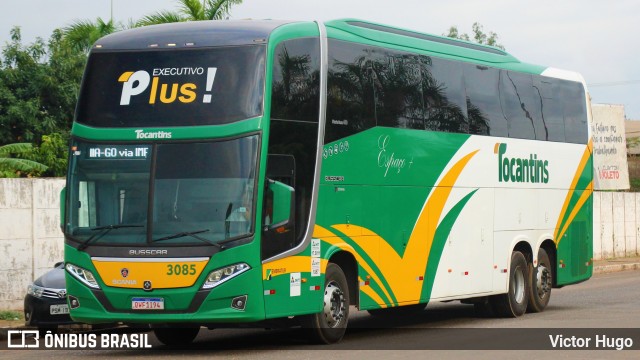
(575, 112)
(396, 80)
(516, 95)
(445, 105)
(551, 108)
(350, 90)
(483, 101)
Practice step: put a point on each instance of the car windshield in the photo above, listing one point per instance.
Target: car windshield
(164, 194)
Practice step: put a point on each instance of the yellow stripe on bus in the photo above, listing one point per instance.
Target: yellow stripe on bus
(583, 198)
(583, 163)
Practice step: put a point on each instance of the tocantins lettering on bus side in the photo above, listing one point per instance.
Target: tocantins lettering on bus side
(521, 170)
(141, 83)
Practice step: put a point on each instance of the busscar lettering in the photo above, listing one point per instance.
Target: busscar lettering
(333, 178)
(124, 282)
(152, 252)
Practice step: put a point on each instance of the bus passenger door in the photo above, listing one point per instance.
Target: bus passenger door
(292, 145)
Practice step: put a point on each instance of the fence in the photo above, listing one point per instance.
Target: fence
(31, 241)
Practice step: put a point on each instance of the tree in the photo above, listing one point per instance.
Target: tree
(39, 86)
(52, 152)
(11, 166)
(22, 73)
(192, 10)
(479, 36)
(82, 34)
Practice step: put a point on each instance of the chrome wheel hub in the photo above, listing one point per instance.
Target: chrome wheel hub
(543, 281)
(334, 304)
(519, 285)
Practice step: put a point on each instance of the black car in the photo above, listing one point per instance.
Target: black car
(45, 305)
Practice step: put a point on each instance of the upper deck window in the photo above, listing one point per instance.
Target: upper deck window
(162, 88)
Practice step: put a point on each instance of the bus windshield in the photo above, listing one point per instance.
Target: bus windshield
(163, 194)
(159, 88)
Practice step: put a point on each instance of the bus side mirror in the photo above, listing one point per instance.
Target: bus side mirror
(283, 205)
(63, 197)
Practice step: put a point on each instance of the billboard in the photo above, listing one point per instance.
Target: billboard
(611, 171)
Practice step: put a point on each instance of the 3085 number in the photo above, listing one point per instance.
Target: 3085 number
(181, 269)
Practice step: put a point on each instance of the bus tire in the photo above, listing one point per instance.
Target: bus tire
(176, 336)
(514, 302)
(330, 325)
(541, 283)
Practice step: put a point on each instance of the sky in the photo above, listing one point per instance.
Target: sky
(593, 37)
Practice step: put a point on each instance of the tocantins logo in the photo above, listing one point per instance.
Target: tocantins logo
(520, 170)
(141, 134)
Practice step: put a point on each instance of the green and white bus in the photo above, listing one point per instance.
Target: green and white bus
(257, 172)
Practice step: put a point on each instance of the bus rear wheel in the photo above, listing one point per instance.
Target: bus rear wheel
(330, 325)
(176, 336)
(541, 283)
(514, 302)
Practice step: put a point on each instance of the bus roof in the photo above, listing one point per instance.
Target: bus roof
(190, 34)
(196, 34)
(366, 31)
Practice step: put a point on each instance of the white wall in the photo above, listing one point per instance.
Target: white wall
(30, 238)
(31, 241)
(616, 225)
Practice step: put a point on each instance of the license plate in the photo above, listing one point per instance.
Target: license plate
(147, 304)
(59, 309)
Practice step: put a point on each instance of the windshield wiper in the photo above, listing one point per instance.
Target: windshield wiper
(192, 234)
(106, 229)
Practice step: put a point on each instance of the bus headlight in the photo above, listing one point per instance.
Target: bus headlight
(84, 275)
(218, 276)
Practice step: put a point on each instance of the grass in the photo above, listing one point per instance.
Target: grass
(635, 184)
(10, 315)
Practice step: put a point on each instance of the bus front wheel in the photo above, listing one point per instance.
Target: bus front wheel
(514, 302)
(329, 325)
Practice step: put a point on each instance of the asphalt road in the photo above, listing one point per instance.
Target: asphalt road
(598, 307)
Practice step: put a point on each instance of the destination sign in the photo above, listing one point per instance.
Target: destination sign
(118, 152)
